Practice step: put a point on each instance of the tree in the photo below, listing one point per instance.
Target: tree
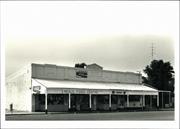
(160, 75)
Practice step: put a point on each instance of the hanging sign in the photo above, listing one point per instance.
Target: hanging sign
(37, 89)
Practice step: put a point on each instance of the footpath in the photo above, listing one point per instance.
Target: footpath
(43, 113)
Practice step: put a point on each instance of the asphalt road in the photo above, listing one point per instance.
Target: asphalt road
(151, 115)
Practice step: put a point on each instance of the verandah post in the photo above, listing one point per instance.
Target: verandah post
(162, 100)
(46, 110)
(90, 101)
(169, 98)
(69, 101)
(127, 100)
(110, 101)
(158, 100)
(150, 101)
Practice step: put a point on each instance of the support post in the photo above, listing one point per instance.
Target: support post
(90, 101)
(162, 101)
(150, 101)
(143, 100)
(69, 101)
(46, 110)
(169, 98)
(158, 100)
(110, 101)
(127, 100)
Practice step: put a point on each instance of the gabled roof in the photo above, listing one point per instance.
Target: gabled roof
(94, 65)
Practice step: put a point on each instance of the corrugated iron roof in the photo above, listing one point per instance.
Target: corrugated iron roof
(91, 85)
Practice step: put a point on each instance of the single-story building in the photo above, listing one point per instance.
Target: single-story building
(47, 87)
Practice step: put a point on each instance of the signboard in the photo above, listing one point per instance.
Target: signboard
(77, 91)
(142, 92)
(37, 89)
(118, 92)
(81, 74)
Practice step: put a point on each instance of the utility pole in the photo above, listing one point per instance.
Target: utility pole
(152, 52)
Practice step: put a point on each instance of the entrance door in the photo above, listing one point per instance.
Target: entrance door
(39, 102)
(80, 102)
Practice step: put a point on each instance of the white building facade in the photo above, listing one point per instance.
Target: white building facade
(47, 87)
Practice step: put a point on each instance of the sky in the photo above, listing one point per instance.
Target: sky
(116, 35)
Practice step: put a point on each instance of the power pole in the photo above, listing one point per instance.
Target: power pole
(152, 52)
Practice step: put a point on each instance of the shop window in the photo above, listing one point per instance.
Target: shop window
(41, 99)
(55, 99)
(103, 99)
(114, 99)
(134, 98)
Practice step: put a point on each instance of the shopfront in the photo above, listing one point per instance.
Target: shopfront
(47, 87)
(91, 96)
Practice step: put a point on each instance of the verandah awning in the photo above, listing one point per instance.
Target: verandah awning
(77, 87)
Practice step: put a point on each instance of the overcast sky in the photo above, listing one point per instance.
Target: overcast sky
(115, 35)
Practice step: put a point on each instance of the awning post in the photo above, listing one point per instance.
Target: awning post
(127, 100)
(143, 100)
(169, 98)
(90, 101)
(158, 100)
(162, 100)
(69, 101)
(46, 110)
(110, 101)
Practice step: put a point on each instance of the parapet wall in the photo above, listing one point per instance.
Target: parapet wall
(47, 71)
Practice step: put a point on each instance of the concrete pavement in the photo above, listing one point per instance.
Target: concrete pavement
(149, 115)
(31, 113)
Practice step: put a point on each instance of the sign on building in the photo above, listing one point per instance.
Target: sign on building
(81, 74)
(37, 89)
(118, 92)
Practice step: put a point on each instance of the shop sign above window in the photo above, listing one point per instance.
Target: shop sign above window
(81, 74)
(119, 92)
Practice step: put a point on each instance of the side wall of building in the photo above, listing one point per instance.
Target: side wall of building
(18, 90)
(80, 74)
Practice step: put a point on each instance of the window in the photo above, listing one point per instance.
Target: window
(134, 98)
(103, 99)
(55, 99)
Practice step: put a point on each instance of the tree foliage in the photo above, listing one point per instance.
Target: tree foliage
(160, 75)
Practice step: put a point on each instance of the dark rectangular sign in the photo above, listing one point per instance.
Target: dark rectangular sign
(81, 74)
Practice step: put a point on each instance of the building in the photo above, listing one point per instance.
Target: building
(47, 87)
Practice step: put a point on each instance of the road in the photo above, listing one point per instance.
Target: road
(149, 115)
